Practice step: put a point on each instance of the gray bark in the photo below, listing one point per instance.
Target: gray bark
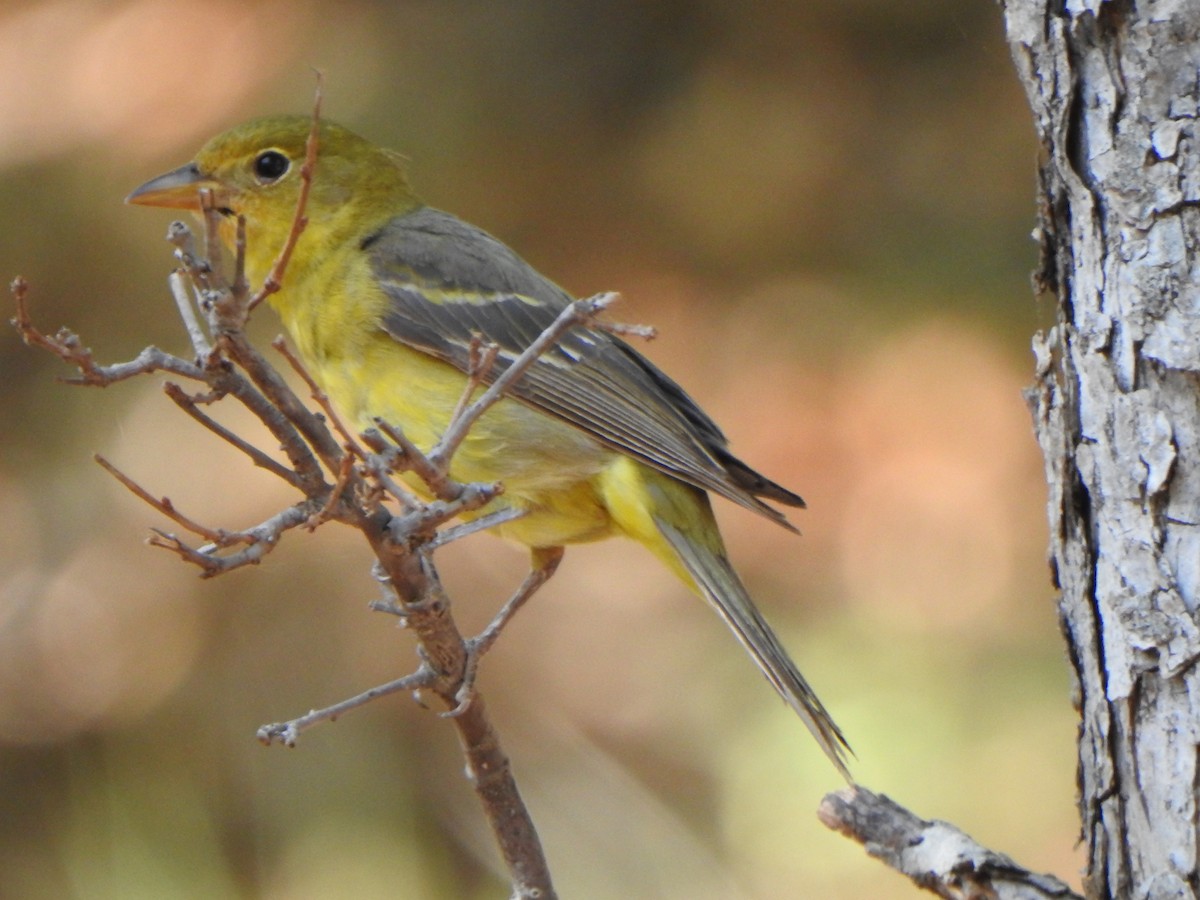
(936, 856)
(1115, 92)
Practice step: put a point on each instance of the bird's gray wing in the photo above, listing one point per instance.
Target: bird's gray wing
(449, 282)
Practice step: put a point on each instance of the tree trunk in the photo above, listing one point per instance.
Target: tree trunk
(1115, 89)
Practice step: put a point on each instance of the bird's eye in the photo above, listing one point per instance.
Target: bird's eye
(271, 165)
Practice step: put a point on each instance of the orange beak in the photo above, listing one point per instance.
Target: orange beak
(178, 189)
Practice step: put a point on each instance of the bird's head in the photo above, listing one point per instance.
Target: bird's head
(253, 170)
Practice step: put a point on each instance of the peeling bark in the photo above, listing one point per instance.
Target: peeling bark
(1115, 92)
(936, 856)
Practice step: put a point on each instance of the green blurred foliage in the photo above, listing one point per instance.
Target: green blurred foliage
(824, 208)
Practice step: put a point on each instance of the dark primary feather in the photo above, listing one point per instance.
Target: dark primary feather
(448, 281)
(720, 585)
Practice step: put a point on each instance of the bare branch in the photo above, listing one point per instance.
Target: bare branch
(474, 526)
(149, 360)
(287, 733)
(241, 286)
(283, 398)
(321, 398)
(625, 329)
(206, 281)
(299, 221)
(378, 465)
(329, 509)
(259, 541)
(213, 252)
(163, 505)
(66, 345)
(183, 301)
(188, 404)
(229, 366)
(481, 359)
(420, 523)
(411, 459)
(935, 855)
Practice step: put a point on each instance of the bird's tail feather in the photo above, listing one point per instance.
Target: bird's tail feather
(720, 585)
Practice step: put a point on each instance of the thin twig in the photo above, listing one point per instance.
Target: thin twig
(379, 464)
(284, 400)
(321, 398)
(274, 278)
(474, 526)
(241, 286)
(328, 510)
(259, 541)
(481, 358)
(481, 643)
(420, 523)
(151, 359)
(183, 301)
(197, 268)
(162, 504)
(188, 404)
(626, 329)
(287, 733)
(577, 313)
(225, 380)
(66, 345)
(412, 459)
(213, 251)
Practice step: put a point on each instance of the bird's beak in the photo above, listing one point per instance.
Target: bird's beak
(178, 189)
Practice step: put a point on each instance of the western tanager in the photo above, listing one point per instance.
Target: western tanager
(382, 297)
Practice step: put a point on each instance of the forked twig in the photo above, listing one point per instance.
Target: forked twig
(481, 357)
(412, 459)
(67, 346)
(481, 643)
(258, 541)
(577, 313)
(329, 510)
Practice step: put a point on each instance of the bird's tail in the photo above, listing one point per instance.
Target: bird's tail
(716, 580)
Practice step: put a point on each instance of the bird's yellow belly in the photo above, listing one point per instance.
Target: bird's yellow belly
(549, 469)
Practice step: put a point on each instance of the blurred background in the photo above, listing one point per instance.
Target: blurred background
(825, 210)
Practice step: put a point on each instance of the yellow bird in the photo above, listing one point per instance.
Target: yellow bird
(382, 297)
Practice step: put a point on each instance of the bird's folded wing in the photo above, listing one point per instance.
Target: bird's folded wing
(448, 282)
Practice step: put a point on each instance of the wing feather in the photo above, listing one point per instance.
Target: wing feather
(448, 281)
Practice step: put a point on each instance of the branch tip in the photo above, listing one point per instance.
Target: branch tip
(935, 855)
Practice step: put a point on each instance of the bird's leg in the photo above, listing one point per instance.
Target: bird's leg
(545, 561)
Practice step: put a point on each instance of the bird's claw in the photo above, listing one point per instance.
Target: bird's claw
(465, 695)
